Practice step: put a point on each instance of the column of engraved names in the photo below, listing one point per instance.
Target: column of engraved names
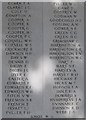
(18, 49)
(65, 50)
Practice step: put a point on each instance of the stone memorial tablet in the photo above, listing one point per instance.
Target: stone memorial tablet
(43, 60)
